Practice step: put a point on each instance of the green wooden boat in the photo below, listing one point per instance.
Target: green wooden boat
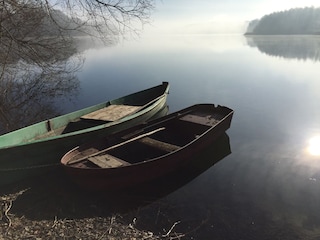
(31, 150)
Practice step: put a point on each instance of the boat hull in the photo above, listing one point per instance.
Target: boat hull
(98, 179)
(25, 160)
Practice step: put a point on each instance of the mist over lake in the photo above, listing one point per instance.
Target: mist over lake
(62, 62)
(268, 185)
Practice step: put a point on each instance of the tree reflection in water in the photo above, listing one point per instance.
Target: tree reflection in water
(37, 38)
(28, 91)
(301, 47)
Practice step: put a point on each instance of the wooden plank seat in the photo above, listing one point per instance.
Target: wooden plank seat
(167, 147)
(112, 112)
(208, 120)
(107, 161)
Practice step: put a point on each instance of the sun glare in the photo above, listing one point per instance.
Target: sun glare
(314, 146)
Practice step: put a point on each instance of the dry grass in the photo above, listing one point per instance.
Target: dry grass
(49, 207)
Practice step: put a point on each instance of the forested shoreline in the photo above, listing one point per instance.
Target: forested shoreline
(297, 21)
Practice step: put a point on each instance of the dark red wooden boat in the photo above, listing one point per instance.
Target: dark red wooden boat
(148, 150)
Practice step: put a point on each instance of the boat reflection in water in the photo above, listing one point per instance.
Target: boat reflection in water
(51, 195)
(149, 192)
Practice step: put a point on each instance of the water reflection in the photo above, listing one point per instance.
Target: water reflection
(292, 47)
(148, 192)
(28, 92)
(268, 188)
(314, 146)
(64, 199)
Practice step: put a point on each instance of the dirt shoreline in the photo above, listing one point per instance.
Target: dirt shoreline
(50, 207)
(91, 228)
(17, 226)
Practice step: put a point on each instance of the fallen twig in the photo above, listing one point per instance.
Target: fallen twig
(177, 236)
(113, 218)
(55, 222)
(6, 211)
(170, 230)
(6, 203)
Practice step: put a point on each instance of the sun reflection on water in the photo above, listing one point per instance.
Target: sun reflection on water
(314, 146)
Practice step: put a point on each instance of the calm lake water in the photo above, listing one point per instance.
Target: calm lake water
(268, 186)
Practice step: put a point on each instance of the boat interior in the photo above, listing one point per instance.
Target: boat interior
(101, 116)
(104, 115)
(154, 142)
(174, 136)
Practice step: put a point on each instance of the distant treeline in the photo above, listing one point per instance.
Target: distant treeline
(294, 21)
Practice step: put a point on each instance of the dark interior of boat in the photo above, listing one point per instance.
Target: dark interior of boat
(175, 135)
(82, 124)
(149, 142)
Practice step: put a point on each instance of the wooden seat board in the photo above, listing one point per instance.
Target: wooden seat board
(112, 112)
(107, 161)
(208, 120)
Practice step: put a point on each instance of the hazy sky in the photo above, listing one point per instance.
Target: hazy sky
(209, 16)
